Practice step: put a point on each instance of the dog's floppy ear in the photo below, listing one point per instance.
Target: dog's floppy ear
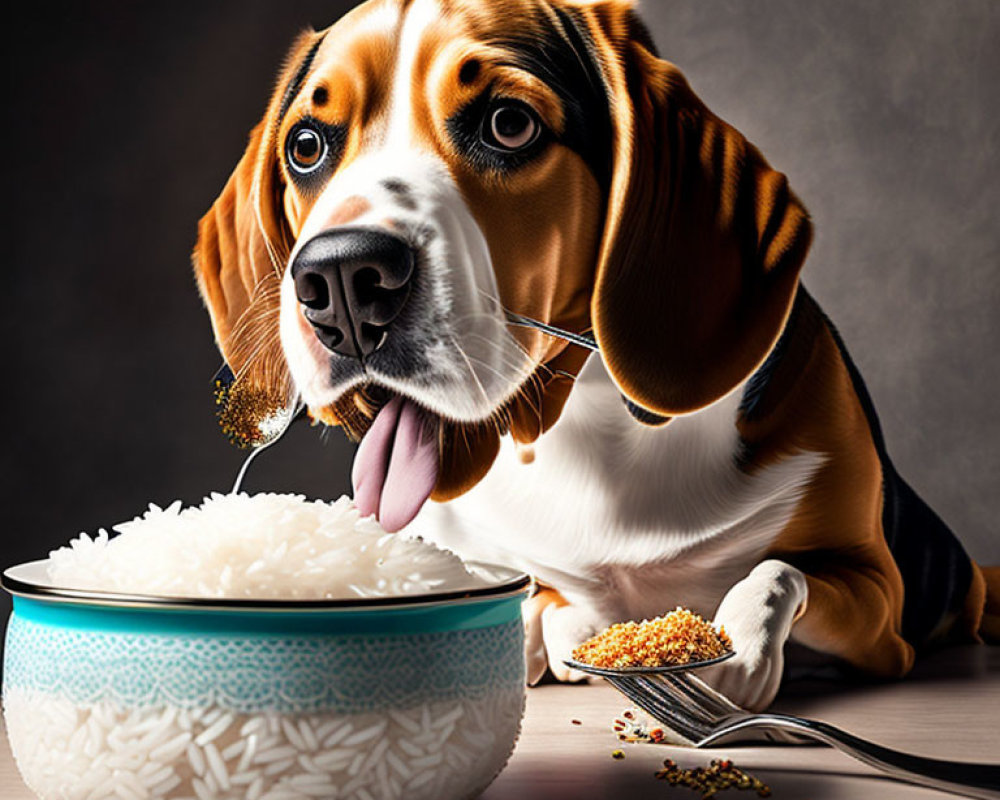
(703, 240)
(243, 240)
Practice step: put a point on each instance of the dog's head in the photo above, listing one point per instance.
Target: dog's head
(425, 167)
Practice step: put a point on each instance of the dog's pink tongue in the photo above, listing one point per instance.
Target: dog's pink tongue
(396, 466)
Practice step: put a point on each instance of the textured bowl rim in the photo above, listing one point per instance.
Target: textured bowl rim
(25, 586)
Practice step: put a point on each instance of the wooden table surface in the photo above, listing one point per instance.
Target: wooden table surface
(948, 708)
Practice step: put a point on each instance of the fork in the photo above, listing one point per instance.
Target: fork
(702, 717)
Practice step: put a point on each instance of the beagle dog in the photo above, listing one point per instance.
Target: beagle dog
(424, 169)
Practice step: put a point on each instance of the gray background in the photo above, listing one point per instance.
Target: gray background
(122, 121)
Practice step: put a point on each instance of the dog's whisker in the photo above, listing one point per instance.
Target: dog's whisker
(520, 372)
(489, 296)
(500, 418)
(529, 384)
(507, 321)
(472, 370)
(584, 339)
(277, 263)
(522, 368)
(490, 368)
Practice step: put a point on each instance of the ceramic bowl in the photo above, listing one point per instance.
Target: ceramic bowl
(111, 695)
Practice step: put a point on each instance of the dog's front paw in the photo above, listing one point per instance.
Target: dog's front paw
(750, 678)
(757, 613)
(552, 630)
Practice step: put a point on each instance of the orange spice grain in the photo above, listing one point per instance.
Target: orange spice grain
(680, 637)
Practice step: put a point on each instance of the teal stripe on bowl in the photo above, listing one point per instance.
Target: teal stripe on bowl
(457, 616)
(250, 673)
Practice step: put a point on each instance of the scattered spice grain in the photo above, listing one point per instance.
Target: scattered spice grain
(719, 776)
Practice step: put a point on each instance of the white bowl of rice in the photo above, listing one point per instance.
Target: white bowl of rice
(262, 648)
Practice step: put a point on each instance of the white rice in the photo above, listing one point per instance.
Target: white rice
(439, 750)
(278, 546)
(281, 547)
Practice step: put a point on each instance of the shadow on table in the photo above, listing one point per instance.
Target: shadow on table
(959, 664)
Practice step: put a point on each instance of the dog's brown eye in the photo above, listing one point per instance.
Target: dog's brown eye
(511, 127)
(306, 150)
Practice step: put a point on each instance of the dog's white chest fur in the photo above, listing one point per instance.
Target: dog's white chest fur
(627, 520)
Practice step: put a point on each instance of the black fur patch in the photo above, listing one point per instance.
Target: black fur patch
(936, 570)
(581, 87)
(642, 415)
(402, 193)
(469, 71)
(753, 392)
(296, 83)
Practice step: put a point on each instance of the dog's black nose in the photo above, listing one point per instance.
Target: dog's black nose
(352, 283)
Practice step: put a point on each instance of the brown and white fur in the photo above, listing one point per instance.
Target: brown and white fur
(745, 477)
